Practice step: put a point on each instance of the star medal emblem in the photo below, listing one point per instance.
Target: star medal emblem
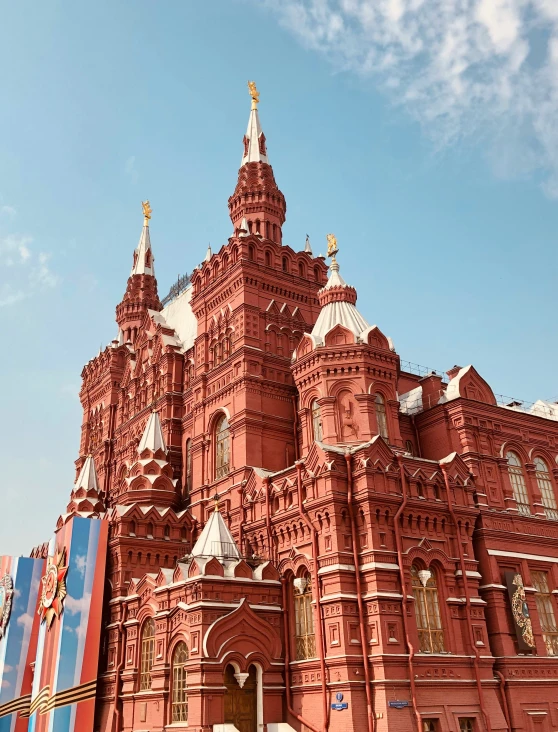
(6, 594)
(54, 588)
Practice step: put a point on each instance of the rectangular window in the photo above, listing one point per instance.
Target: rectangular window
(466, 724)
(429, 725)
(545, 608)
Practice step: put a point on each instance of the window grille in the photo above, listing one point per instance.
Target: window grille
(222, 448)
(179, 684)
(305, 640)
(517, 478)
(545, 608)
(545, 486)
(147, 652)
(381, 416)
(427, 611)
(466, 724)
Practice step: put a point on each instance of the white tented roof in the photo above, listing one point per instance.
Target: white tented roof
(253, 134)
(87, 478)
(140, 265)
(152, 438)
(338, 313)
(216, 540)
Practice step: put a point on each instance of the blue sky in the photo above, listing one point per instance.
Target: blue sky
(418, 140)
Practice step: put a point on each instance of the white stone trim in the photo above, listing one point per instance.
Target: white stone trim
(519, 555)
(336, 568)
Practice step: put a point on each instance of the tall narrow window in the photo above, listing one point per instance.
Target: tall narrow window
(285, 264)
(427, 611)
(515, 470)
(545, 487)
(147, 648)
(188, 466)
(381, 417)
(305, 640)
(545, 607)
(268, 259)
(179, 684)
(222, 447)
(316, 420)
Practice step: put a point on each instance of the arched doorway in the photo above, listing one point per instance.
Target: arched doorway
(240, 702)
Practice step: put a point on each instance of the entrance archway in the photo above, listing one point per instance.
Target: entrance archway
(240, 701)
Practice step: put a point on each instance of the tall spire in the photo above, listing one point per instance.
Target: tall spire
(257, 205)
(143, 256)
(254, 139)
(152, 438)
(141, 291)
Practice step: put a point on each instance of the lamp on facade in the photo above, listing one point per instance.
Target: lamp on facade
(300, 584)
(424, 575)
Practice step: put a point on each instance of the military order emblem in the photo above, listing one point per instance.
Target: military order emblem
(54, 588)
(6, 593)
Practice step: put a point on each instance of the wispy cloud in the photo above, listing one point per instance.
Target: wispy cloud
(24, 272)
(6, 210)
(479, 69)
(131, 170)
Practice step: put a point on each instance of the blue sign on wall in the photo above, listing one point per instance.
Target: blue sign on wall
(397, 704)
(339, 707)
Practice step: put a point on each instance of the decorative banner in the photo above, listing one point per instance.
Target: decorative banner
(520, 612)
(20, 579)
(71, 603)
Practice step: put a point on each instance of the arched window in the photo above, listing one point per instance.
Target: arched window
(381, 417)
(301, 271)
(317, 274)
(188, 466)
(179, 684)
(222, 447)
(517, 478)
(305, 641)
(545, 608)
(316, 420)
(251, 252)
(409, 447)
(147, 653)
(268, 259)
(285, 264)
(427, 611)
(545, 487)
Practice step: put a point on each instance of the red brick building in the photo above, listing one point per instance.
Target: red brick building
(305, 533)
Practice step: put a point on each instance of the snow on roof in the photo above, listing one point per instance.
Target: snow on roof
(411, 401)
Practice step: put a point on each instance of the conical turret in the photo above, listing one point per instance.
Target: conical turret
(257, 203)
(141, 291)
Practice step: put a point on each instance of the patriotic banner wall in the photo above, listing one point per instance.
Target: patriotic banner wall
(70, 613)
(20, 578)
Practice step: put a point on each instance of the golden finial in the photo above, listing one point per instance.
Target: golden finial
(332, 246)
(254, 93)
(216, 499)
(146, 212)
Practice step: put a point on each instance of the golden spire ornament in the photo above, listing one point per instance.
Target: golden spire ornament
(332, 248)
(254, 93)
(146, 212)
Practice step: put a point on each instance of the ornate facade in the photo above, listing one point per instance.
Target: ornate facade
(304, 534)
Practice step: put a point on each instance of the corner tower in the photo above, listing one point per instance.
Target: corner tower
(257, 206)
(141, 291)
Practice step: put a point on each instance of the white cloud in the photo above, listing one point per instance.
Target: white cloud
(80, 563)
(6, 210)
(42, 275)
(479, 69)
(131, 170)
(22, 272)
(78, 605)
(10, 296)
(26, 621)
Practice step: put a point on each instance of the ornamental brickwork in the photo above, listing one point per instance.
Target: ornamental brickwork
(303, 533)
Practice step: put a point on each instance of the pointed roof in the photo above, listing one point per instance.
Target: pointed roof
(87, 478)
(254, 141)
(307, 246)
(216, 540)
(152, 438)
(208, 253)
(143, 256)
(338, 306)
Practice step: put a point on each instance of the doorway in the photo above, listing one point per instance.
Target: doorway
(240, 703)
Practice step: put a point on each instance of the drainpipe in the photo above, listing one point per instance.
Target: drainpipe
(286, 633)
(504, 692)
(399, 545)
(320, 624)
(295, 428)
(467, 600)
(116, 714)
(266, 482)
(369, 701)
